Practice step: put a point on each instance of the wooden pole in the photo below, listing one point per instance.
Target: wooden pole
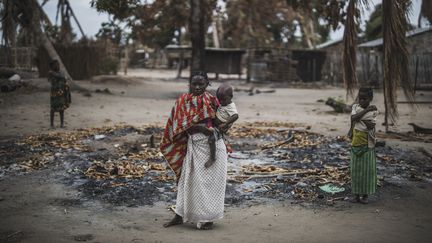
(126, 58)
(180, 64)
(249, 64)
(215, 33)
(385, 107)
(75, 18)
(416, 74)
(44, 17)
(46, 43)
(314, 69)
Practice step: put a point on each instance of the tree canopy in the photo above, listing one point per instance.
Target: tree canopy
(374, 24)
(242, 22)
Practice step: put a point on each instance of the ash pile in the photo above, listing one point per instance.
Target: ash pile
(122, 165)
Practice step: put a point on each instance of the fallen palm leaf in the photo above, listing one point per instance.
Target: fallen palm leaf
(290, 139)
(256, 169)
(116, 184)
(124, 169)
(164, 178)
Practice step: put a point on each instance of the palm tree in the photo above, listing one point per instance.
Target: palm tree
(395, 25)
(375, 24)
(350, 45)
(395, 56)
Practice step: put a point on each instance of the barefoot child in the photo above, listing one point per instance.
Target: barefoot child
(363, 157)
(226, 115)
(60, 92)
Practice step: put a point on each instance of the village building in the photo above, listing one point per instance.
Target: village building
(332, 71)
(369, 59)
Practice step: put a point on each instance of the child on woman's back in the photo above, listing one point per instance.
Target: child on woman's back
(226, 115)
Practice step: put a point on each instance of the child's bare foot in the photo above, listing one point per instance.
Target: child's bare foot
(364, 199)
(209, 163)
(205, 226)
(175, 221)
(355, 199)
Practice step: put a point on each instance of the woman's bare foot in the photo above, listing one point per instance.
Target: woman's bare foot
(205, 226)
(175, 221)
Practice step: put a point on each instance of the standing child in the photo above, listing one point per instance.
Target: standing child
(363, 157)
(60, 92)
(226, 115)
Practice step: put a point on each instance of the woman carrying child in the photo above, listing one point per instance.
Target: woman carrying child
(200, 190)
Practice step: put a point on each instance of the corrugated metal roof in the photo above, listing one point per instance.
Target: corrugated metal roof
(328, 43)
(185, 47)
(411, 33)
(373, 43)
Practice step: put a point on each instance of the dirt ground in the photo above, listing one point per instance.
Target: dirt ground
(38, 207)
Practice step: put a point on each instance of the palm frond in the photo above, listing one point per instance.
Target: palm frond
(349, 54)
(426, 11)
(354, 10)
(395, 25)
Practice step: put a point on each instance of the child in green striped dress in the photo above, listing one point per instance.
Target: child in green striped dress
(363, 157)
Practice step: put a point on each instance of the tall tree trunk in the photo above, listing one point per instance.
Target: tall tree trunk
(197, 32)
(52, 53)
(46, 43)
